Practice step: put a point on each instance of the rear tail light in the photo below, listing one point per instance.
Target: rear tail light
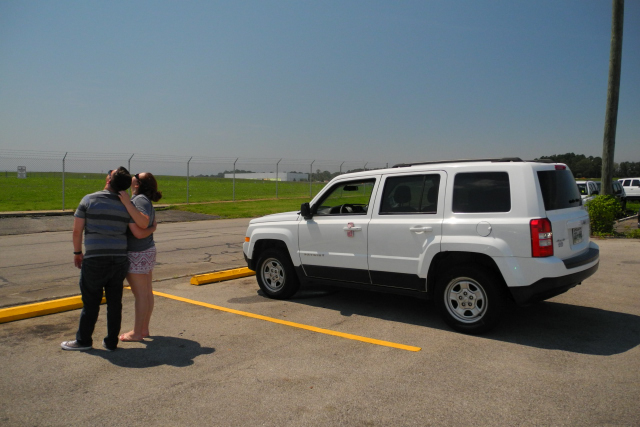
(561, 167)
(541, 238)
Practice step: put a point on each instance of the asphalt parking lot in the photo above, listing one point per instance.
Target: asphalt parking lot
(573, 360)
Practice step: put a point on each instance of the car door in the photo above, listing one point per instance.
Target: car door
(333, 243)
(634, 188)
(406, 229)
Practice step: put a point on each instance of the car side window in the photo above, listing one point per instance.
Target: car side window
(476, 192)
(410, 194)
(636, 183)
(346, 198)
(626, 182)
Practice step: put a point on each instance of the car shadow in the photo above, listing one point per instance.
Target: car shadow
(547, 325)
(158, 350)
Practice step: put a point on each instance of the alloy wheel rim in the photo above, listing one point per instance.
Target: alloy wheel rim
(466, 300)
(273, 275)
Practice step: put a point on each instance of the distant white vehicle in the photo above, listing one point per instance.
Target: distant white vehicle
(588, 190)
(631, 187)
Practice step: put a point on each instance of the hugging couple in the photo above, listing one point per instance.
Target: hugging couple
(118, 242)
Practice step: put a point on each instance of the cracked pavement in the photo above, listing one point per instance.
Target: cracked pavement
(37, 260)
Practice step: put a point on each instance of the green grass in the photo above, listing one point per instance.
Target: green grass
(245, 209)
(632, 207)
(43, 191)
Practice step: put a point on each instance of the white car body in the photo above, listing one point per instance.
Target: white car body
(588, 190)
(631, 187)
(406, 252)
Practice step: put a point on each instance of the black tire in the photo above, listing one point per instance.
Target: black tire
(470, 299)
(275, 274)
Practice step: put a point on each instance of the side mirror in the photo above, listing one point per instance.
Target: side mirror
(305, 211)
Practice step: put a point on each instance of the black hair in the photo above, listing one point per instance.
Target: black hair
(120, 179)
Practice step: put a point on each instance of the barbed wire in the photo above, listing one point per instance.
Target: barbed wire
(81, 155)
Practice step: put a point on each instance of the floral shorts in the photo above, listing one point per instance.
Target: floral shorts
(142, 262)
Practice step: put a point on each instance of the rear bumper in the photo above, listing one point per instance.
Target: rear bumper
(550, 286)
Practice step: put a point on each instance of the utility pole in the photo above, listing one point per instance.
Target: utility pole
(613, 95)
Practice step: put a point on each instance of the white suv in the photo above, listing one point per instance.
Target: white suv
(631, 187)
(470, 234)
(588, 190)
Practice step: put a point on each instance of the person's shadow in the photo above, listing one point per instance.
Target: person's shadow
(158, 350)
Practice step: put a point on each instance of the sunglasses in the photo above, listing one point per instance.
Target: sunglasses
(109, 173)
(137, 177)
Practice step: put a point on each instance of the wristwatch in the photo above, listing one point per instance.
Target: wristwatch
(77, 253)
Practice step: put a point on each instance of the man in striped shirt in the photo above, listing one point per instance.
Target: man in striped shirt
(104, 220)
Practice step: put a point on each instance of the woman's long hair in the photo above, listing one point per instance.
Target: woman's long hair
(149, 187)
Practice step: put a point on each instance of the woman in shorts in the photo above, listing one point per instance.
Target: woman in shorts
(141, 251)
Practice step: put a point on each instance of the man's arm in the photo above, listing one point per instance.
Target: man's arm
(78, 229)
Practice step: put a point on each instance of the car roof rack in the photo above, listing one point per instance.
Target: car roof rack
(496, 160)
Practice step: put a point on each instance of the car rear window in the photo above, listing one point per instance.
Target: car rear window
(559, 189)
(477, 192)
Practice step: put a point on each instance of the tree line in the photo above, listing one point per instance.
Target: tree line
(591, 167)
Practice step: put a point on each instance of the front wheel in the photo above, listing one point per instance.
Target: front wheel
(275, 274)
(470, 300)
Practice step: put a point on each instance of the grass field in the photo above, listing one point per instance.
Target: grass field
(246, 209)
(43, 191)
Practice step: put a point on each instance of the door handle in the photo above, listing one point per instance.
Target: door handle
(421, 229)
(352, 228)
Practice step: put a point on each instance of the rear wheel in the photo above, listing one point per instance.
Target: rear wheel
(275, 274)
(470, 299)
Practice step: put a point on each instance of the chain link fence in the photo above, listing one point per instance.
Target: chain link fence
(49, 180)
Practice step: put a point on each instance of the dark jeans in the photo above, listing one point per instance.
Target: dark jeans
(96, 274)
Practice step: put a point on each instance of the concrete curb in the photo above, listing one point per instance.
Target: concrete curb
(41, 308)
(36, 213)
(55, 212)
(219, 276)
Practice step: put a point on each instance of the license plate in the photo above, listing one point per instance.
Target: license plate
(577, 235)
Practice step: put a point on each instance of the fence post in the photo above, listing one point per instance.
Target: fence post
(63, 160)
(129, 168)
(341, 167)
(234, 179)
(310, 172)
(188, 161)
(277, 177)
(365, 166)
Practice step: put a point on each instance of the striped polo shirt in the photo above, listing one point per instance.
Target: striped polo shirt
(106, 224)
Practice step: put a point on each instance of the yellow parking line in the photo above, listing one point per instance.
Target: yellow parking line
(292, 324)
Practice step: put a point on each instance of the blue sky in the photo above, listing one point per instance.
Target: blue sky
(389, 81)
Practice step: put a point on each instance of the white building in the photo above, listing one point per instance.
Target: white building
(271, 176)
